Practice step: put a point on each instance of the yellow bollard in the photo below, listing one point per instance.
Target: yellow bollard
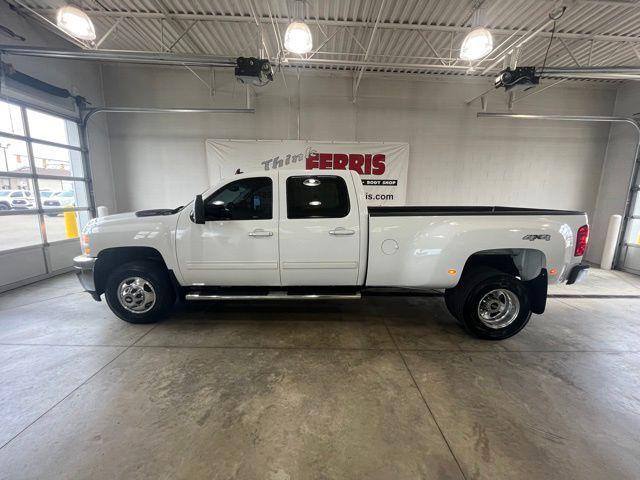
(70, 224)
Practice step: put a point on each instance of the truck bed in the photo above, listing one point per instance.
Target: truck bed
(427, 247)
(411, 211)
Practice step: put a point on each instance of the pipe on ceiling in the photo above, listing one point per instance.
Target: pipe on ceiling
(602, 72)
(123, 56)
(569, 118)
(90, 112)
(162, 58)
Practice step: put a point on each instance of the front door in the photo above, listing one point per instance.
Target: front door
(319, 231)
(238, 244)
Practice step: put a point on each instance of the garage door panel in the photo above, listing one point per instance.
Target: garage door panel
(21, 265)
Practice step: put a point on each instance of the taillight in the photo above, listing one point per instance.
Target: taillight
(581, 240)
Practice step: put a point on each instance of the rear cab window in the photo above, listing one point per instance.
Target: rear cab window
(322, 196)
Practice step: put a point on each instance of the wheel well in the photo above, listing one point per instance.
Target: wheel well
(110, 258)
(500, 261)
(520, 262)
(527, 264)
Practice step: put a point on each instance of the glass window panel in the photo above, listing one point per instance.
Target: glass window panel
(16, 194)
(14, 156)
(19, 231)
(246, 199)
(61, 193)
(635, 211)
(317, 197)
(11, 119)
(633, 229)
(65, 226)
(57, 161)
(53, 129)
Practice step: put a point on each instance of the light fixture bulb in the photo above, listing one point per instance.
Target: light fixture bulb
(76, 23)
(297, 38)
(477, 44)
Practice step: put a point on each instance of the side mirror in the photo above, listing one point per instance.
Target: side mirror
(198, 210)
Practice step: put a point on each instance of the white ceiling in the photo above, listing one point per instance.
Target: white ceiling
(412, 36)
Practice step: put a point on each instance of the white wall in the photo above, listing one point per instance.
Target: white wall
(617, 169)
(159, 161)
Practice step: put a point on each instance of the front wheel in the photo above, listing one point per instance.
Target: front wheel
(139, 292)
(491, 304)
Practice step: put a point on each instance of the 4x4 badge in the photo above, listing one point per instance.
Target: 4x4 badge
(531, 237)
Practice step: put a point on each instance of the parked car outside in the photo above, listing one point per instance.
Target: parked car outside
(45, 194)
(64, 199)
(15, 199)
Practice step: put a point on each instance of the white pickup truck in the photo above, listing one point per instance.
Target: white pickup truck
(308, 235)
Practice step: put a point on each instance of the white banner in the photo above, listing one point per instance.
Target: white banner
(382, 166)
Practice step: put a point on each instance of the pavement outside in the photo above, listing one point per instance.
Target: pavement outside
(18, 231)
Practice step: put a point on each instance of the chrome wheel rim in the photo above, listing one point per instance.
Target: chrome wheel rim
(136, 295)
(498, 308)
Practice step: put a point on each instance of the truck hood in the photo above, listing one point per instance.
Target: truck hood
(133, 217)
(116, 218)
(131, 230)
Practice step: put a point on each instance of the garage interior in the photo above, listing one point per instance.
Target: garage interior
(385, 387)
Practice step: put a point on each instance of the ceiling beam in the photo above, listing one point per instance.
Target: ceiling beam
(179, 26)
(109, 31)
(371, 64)
(358, 78)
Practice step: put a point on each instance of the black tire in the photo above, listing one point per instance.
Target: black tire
(471, 290)
(4, 206)
(151, 272)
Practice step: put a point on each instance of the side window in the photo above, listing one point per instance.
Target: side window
(317, 197)
(16, 195)
(246, 199)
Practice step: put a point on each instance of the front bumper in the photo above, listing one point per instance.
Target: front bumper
(577, 273)
(84, 269)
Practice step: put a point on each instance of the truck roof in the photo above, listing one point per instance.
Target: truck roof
(290, 172)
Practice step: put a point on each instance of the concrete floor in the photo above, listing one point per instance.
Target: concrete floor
(387, 388)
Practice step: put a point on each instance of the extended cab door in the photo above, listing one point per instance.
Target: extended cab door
(319, 230)
(238, 244)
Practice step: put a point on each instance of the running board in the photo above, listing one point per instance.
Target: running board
(195, 296)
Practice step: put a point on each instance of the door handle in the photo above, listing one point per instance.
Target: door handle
(259, 232)
(341, 231)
